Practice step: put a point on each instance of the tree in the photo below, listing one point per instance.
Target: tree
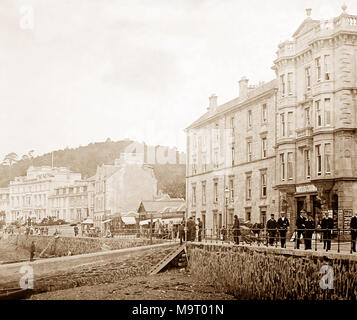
(25, 157)
(10, 158)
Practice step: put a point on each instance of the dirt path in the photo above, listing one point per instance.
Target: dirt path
(170, 285)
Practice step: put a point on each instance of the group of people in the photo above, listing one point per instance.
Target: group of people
(193, 230)
(281, 226)
(305, 229)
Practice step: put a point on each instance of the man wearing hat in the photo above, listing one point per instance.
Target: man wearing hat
(327, 226)
(300, 226)
(309, 231)
(283, 225)
(354, 231)
(271, 229)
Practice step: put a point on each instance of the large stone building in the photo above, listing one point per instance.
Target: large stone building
(73, 203)
(316, 166)
(4, 204)
(29, 194)
(231, 158)
(119, 188)
(294, 139)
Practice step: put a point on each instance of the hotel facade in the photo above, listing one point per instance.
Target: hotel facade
(286, 145)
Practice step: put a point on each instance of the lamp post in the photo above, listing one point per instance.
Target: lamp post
(226, 197)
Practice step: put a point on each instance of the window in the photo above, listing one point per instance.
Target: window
(307, 164)
(215, 160)
(248, 187)
(308, 78)
(232, 126)
(282, 124)
(203, 193)
(230, 216)
(282, 85)
(231, 188)
(194, 168)
(249, 150)
(264, 113)
(249, 118)
(264, 147)
(290, 165)
(248, 214)
(328, 158)
(318, 160)
(318, 68)
(193, 195)
(282, 166)
(327, 66)
(214, 221)
(204, 162)
(263, 184)
(232, 155)
(290, 124)
(318, 114)
(263, 216)
(194, 143)
(307, 117)
(215, 191)
(290, 83)
(327, 111)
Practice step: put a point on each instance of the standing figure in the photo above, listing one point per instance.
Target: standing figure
(327, 227)
(309, 231)
(181, 230)
(75, 231)
(354, 231)
(236, 230)
(200, 227)
(283, 225)
(300, 227)
(191, 232)
(271, 227)
(32, 250)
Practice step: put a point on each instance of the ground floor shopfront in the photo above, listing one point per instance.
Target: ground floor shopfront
(337, 197)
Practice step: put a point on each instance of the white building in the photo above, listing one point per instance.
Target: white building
(29, 194)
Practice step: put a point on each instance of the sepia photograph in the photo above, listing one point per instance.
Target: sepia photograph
(178, 156)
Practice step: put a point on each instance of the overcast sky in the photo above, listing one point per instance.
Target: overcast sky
(141, 69)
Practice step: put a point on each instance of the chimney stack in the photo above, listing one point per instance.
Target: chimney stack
(212, 103)
(243, 88)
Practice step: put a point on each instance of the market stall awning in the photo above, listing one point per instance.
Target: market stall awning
(129, 220)
(88, 221)
(144, 222)
(173, 220)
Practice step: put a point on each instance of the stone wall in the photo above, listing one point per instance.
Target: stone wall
(64, 246)
(273, 274)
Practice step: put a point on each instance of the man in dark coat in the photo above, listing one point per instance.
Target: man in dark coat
(200, 227)
(181, 230)
(32, 250)
(353, 226)
(272, 226)
(309, 231)
(300, 226)
(191, 229)
(327, 227)
(283, 225)
(236, 230)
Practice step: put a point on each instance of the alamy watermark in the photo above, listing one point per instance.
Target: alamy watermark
(27, 280)
(326, 282)
(27, 20)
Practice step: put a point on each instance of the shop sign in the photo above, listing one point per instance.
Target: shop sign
(306, 188)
